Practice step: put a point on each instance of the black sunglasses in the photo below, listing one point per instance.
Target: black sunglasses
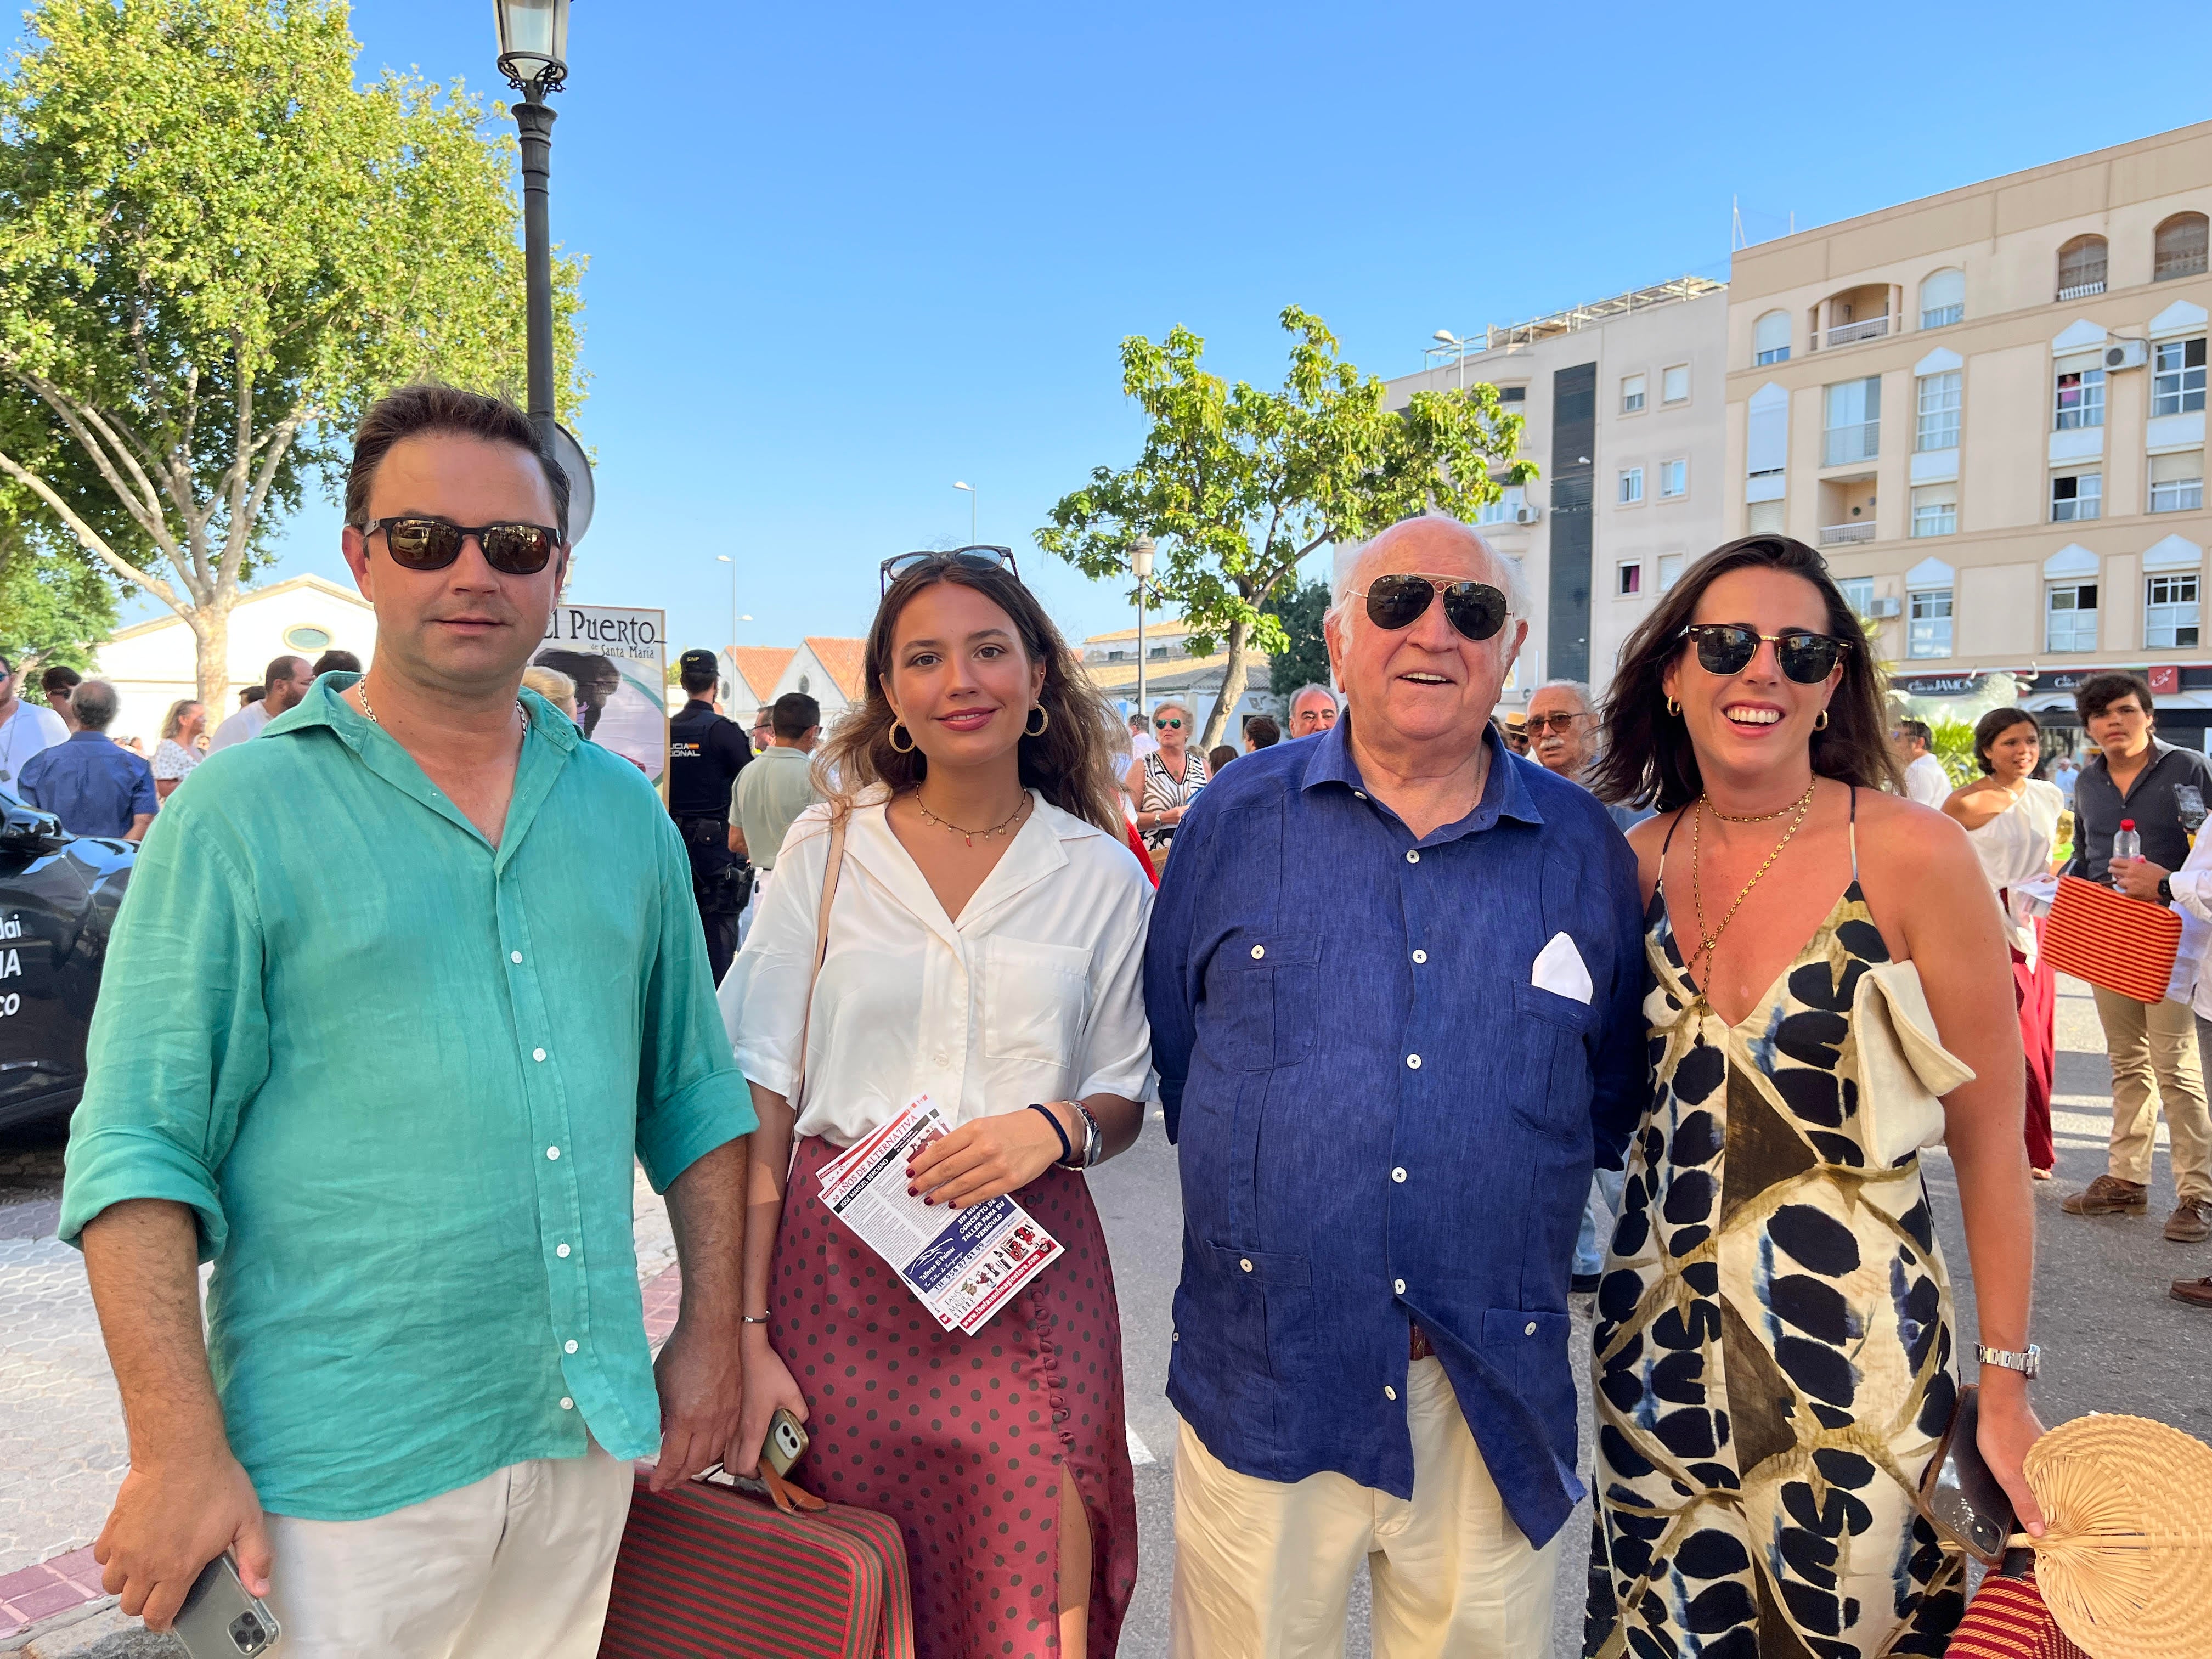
(1728, 649)
(513, 549)
(975, 558)
(1399, 600)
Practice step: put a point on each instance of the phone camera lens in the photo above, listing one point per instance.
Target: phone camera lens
(249, 1634)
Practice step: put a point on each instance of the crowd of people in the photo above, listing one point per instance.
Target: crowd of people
(1526, 1046)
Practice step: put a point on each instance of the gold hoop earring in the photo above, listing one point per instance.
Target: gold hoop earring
(1674, 708)
(1821, 720)
(1044, 716)
(892, 738)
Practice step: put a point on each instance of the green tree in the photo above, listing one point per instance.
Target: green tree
(1236, 485)
(218, 251)
(1304, 657)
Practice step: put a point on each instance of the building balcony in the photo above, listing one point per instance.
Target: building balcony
(1842, 535)
(2081, 290)
(1849, 333)
(1845, 446)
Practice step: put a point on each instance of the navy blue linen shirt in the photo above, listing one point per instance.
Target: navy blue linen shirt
(92, 784)
(1381, 1119)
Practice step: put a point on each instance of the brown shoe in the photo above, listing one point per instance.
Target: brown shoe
(2191, 1222)
(2197, 1292)
(2109, 1195)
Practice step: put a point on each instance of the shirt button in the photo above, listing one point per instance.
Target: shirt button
(514, 956)
(567, 1404)
(1529, 1329)
(561, 1250)
(1412, 855)
(553, 1152)
(1360, 794)
(1245, 1263)
(1259, 950)
(569, 1346)
(1421, 956)
(1399, 1286)
(1413, 1062)
(1390, 1393)
(538, 1053)
(1398, 1176)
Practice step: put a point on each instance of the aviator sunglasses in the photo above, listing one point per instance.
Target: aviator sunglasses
(1475, 610)
(975, 558)
(1802, 655)
(417, 544)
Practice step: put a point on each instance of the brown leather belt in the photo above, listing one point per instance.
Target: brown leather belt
(1421, 1350)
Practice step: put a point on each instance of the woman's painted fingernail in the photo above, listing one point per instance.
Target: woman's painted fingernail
(914, 1192)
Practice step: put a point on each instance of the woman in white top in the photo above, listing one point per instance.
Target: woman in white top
(986, 946)
(1166, 780)
(178, 750)
(2012, 819)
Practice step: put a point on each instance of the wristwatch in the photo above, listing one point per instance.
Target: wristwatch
(2027, 1363)
(2165, 889)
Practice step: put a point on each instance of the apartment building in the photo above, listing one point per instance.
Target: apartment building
(1170, 670)
(1623, 403)
(1987, 407)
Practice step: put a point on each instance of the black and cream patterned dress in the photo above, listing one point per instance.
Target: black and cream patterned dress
(1774, 1360)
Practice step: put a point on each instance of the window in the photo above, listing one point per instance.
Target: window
(1766, 433)
(1673, 479)
(2070, 617)
(802, 685)
(1158, 650)
(1943, 299)
(2176, 483)
(2080, 400)
(1770, 339)
(1513, 394)
(316, 639)
(2076, 495)
(1631, 394)
(2179, 247)
(1940, 397)
(1766, 519)
(1674, 385)
(1505, 510)
(1854, 430)
(1670, 570)
(1117, 656)
(1928, 624)
(2170, 610)
(1936, 509)
(1858, 594)
(1629, 579)
(1631, 486)
(2081, 268)
(2176, 380)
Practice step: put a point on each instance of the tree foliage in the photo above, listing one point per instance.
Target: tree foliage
(218, 251)
(1303, 658)
(1236, 485)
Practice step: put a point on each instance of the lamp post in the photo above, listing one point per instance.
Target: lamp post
(1448, 342)
(724, 558)
(970, 489)
(1140, 561)
(533, 55)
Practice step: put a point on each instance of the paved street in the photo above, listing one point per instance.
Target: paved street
(2113, 1340)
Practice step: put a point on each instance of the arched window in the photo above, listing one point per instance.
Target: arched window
(1769, 337)
(2179, 247)
(2081, 268)
(1943, 298)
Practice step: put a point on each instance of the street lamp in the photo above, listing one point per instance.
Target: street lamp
(1140, 561)
(970, 489)
(724, 558)
(1449, 343)
(533, 55)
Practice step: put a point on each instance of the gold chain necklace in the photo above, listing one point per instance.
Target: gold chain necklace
(360, 689)
(1706, 941)
(998, 829)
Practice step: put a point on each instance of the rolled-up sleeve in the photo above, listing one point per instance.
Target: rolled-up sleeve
(1117, 1041)
(691, 1096)
(180, 1042)
(765, 992)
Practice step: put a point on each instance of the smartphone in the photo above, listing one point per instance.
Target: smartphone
(1964, 1499)
(220, 1619)
(786, 1443)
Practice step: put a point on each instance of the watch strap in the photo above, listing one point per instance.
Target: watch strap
(2027, 1362)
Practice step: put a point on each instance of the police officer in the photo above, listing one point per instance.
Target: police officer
(705, 755)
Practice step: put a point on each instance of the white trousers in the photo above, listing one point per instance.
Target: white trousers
(516, 1565)
(1264, 1568)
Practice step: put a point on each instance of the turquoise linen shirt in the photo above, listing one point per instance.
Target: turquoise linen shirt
(398, 1075)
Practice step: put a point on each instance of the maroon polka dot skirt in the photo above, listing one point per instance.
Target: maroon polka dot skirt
(964, 1440)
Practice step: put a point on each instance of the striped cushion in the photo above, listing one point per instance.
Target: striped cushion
(2008, 1621)
(2114, 942)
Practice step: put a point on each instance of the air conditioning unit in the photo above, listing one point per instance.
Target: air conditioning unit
(1527, 514)
(1887, 605)
(2126, 354)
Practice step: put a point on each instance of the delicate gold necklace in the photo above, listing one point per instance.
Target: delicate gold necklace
(1749, 818)
(998, 829)
(1706, 941)
(360, 689)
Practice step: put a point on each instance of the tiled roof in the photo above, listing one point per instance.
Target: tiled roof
(761, 666)
(846, 661)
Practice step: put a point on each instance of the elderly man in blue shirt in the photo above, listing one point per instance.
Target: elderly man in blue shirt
(1387, 1092)
(401, 994)
(92, 784)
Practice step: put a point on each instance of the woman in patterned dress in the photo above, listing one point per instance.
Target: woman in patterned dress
(986, 945)
(1168, 780)
(1775, 1350)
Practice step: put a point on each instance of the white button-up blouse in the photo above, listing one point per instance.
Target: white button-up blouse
(1036, 993)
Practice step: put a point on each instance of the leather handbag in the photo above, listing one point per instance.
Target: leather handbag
(2116, 943)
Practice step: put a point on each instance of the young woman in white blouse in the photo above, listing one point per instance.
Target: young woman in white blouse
(985, 948)
(2012, 819)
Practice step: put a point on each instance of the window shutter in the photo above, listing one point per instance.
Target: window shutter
(1766, 439)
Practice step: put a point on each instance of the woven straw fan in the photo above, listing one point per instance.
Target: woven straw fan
(2126, 1562)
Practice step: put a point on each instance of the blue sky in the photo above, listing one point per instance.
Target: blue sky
(843, 256)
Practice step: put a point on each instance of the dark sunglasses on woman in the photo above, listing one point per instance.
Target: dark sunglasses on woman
(1728, 649)
(1476, 611)
(512, 549)
(1168, 725)
(975, 558)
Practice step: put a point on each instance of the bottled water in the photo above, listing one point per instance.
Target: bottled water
(2127, 844)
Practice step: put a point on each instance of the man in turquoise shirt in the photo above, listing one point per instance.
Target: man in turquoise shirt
(395, 995)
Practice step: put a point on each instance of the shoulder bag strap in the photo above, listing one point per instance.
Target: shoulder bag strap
(829, 876)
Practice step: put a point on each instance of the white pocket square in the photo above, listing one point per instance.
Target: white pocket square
(1559, 970)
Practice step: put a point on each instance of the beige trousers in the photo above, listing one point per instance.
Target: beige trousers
(1264, 1568)
(517, 1564)
(2148, 1041)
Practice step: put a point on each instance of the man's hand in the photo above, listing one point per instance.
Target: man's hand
(701, 1383)
(169, 1522)
(2138, 878)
